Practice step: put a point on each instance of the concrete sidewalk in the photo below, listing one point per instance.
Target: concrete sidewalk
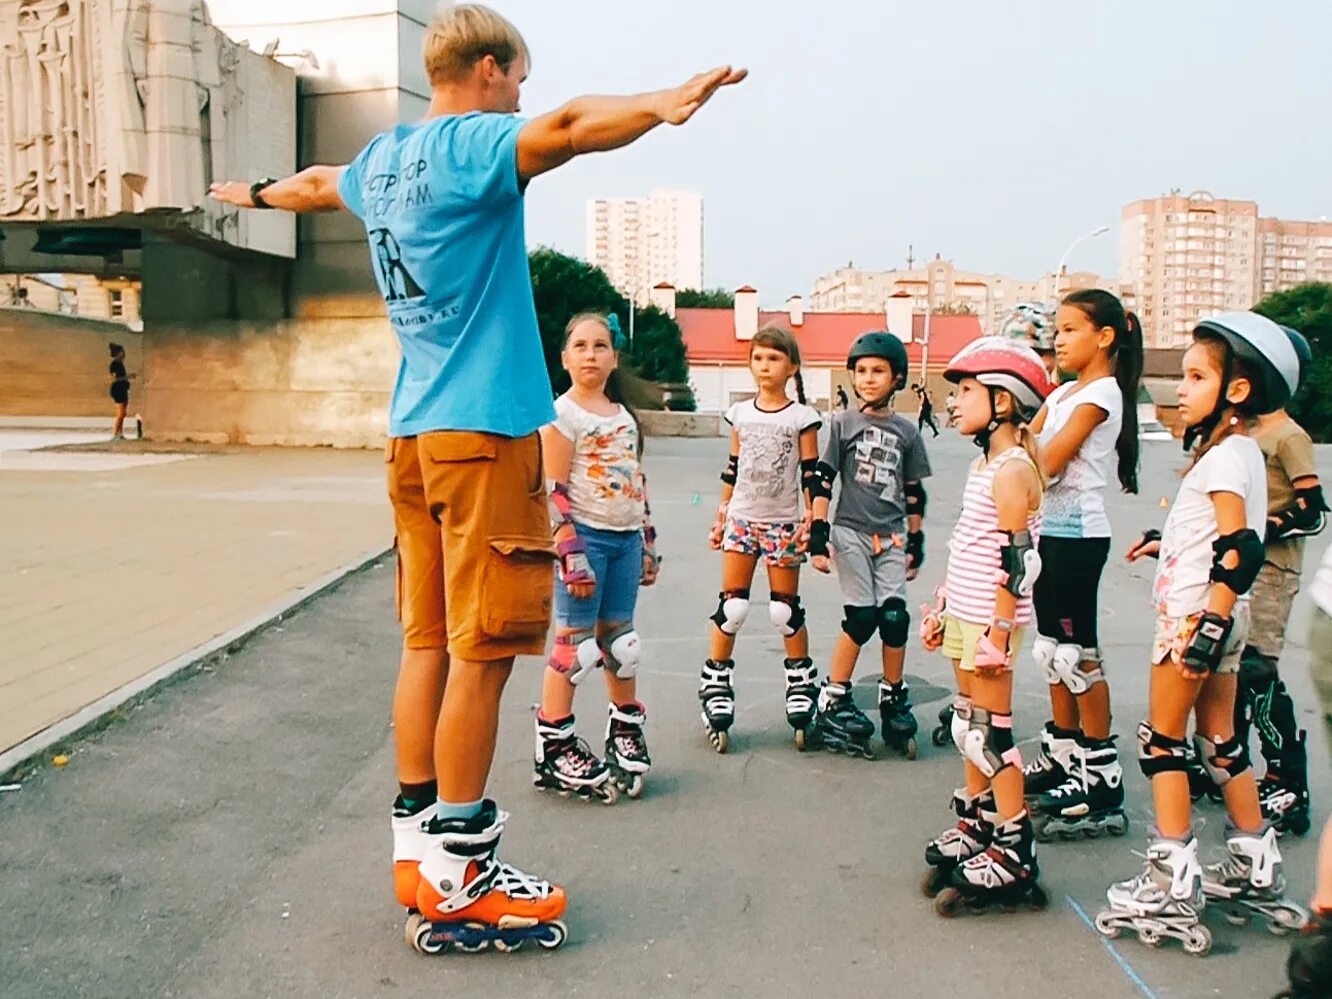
(121, 558)
(230, 838)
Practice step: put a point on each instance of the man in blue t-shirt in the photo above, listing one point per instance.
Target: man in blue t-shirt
(442, 203)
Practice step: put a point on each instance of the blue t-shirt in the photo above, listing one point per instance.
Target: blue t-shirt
(443, 211)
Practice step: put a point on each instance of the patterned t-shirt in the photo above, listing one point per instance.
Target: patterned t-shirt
(605, 478)
(874, 456)
(767, 485)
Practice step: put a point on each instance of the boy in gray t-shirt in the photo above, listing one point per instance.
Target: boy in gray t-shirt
(875, 539)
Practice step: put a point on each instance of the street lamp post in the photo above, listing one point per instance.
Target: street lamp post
(1063, 261)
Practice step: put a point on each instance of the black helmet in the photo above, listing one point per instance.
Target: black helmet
(880, 343)
(1302, 350)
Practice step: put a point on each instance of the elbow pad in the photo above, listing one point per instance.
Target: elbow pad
(1305, 518)
(819, 480)
(732, 470)
(1020, 564)
(1249, 548)
(915, 499)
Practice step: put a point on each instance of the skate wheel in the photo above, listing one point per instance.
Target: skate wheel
(1043, 833)
(609, 792)
(1105, 925)
(504, 945)
(948, 903)
(1093, 832)
(1119, 828)
(419, 935)
(1150, 937)
(940, 736)
(473, 948)
(1284, 921)
(558, 934)
(635, 786)
(910, 749)
(720, 741)
(1199, 942)
(800, 739)
(1037, 899)
(932, 882)
(1237, 917)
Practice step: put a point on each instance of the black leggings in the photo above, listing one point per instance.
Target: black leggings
(1066, 591)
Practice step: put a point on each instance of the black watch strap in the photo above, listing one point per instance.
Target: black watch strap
(255, 190)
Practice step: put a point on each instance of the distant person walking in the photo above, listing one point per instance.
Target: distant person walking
(120, 386)
(842, 401)
(926, 417)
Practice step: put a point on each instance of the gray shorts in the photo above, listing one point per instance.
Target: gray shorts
(867, 579)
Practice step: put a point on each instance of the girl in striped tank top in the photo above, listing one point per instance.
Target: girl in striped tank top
(989, 857)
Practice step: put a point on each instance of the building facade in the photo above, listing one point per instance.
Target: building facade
(642, 242)
(1185, 257)
(940, 287)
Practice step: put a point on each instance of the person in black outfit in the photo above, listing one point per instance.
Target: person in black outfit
(842, 400)
(120, 386)
(926, 417)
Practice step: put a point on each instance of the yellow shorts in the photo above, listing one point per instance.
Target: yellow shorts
(476, 565)
(960, 638)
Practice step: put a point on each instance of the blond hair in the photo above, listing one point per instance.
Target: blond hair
(461, 35)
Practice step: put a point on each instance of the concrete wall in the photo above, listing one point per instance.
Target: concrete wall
(293, 382)
(662, 424)
(56, 365)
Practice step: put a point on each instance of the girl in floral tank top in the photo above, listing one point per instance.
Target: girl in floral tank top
(989, 857)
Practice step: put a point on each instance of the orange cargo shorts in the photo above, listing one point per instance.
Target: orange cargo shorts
(476, 563)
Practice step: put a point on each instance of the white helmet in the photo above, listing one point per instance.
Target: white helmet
(1263, 346)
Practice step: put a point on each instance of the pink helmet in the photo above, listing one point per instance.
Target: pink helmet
(999, 362)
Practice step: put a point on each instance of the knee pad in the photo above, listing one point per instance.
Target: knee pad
(575, 655)
(1043, 653)
(860, 622)
(787, 616)
(894, 622)
(622, 649)
(1174, 757)
(732, 608)
(961, 721)
(1222, 760)
(1066, 664)
(988, 742)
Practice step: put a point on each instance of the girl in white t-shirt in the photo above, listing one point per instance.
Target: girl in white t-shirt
(1088, 429)
(1239, 366)
(764, 514)
(607, 549)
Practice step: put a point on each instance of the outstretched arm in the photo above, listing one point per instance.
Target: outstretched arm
(598, 124)
(314, 189)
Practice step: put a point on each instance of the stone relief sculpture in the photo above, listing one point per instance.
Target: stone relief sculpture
(119, 106)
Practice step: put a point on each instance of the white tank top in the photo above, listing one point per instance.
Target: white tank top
(973, 552)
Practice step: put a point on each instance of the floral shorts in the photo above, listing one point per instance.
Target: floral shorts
(1173, 634)
(773, 541)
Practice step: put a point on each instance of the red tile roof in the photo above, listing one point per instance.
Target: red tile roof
(824, 337)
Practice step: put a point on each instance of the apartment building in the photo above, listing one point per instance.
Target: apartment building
(643, 242)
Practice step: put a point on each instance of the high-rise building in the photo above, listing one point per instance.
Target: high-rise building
(1189, 256)
(642, 242)
(938, 286)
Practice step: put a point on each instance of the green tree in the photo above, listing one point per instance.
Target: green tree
(1308, 308)
(564, 286)
(707, 298)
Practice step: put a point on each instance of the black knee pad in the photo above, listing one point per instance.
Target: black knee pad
(860, 622)
(1222, 760)
(1175, 758)
(894, 622)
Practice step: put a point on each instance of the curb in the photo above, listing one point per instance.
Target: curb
(88, 717)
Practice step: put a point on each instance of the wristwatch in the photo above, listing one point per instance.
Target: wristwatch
(258, 186)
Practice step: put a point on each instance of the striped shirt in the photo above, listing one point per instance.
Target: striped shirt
(973, 552)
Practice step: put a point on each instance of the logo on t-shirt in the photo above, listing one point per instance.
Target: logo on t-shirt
(394, 278)
(878, 461)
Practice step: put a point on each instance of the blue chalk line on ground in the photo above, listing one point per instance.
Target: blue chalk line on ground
(1120, 960)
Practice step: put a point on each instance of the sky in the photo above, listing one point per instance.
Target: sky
(993, 133)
